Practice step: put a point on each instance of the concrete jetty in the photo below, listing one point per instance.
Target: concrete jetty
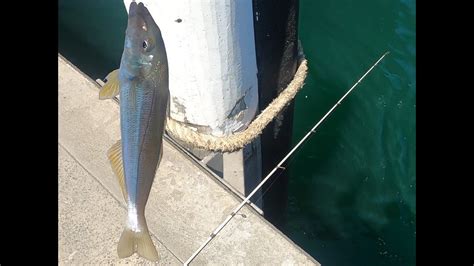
(184, 206)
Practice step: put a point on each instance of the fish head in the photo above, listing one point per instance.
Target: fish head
(143, 43)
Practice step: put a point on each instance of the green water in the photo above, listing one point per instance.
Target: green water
(353, 184)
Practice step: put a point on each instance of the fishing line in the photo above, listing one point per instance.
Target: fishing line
(269, 186)
(246, 200)
(283, 169)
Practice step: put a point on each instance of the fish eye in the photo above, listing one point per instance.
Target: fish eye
(145, 44)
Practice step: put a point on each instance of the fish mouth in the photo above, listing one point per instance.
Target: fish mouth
(138, 9)
(138, 18)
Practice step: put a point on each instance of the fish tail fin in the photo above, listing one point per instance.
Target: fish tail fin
(126, 245)
(140, 242)
(145, 247)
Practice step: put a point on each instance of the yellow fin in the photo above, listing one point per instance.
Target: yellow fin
(115, 158)
(126, 245)
(145, 246)
(112, 87)
(140, 242)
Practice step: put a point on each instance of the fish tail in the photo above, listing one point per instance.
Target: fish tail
(140, 242)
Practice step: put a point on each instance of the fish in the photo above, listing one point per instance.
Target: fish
(142, 83)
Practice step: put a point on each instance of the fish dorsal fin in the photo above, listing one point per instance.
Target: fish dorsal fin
(115, 158)
(112, 87)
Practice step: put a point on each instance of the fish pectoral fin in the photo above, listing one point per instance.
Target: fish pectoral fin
(140, 242)
(115, 158)
(111, 88)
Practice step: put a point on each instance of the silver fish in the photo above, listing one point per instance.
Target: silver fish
(142, 82)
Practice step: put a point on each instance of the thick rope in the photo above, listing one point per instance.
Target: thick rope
(239, 139)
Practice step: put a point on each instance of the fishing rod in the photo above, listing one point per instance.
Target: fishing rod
(279, 165)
